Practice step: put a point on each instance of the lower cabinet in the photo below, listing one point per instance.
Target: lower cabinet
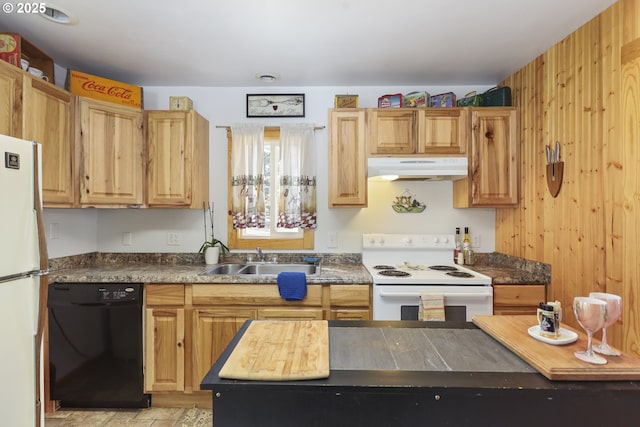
(187, 327)
(213, 329)
(517, 299)
(164, 339)
(350, 302)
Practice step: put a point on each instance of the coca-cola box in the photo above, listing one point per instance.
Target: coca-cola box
(90, 86)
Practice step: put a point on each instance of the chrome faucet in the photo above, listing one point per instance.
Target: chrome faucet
(260, 254)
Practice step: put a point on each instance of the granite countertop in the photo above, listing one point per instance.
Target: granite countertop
(187, 268)
(510, 270)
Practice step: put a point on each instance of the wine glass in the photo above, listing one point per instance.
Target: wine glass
(614, 309)
(591, 314)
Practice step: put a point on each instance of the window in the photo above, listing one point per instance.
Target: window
(270, 237)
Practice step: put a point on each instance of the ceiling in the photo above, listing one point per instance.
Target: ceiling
(303, 42)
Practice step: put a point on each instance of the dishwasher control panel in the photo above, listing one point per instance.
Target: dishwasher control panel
(95, 293)
(116, 293)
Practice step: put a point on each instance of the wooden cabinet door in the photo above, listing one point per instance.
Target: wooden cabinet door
(111, 154)
(347, 158)
(178, 159)
(213, 330)
(48, 119)
(392, 131)
(10, 100)
(494, 157)
(164, 349)
(290, 314)
(442, 131)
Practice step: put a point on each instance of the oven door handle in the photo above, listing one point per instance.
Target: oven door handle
(446, 295)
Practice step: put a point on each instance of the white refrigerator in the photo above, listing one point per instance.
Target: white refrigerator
(21, 273)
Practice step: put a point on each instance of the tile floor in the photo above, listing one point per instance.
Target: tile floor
(148, 417)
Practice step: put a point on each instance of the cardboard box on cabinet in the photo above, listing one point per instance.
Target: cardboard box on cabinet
(103, 89)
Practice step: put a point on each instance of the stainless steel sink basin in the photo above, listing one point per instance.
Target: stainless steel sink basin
(274, 269)
(225, 269)
(261, 269)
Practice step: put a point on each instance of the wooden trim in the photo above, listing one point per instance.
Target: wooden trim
(198, 399)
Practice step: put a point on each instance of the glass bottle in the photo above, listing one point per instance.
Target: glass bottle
(458, 248)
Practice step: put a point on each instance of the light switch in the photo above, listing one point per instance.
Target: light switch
(332, 240)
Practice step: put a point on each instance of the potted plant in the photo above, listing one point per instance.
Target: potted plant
(211, 248)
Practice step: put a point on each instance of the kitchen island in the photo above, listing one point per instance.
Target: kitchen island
(419, 373)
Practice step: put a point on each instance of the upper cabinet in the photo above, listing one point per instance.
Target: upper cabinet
(442, 131)
(487, 136)
(94, 153)
(11, 79)
(178, 159)
(417, 131)
(392, 131)
(49, 111)
(347, 158)
(36, 110)
(493, 160)
(110, 154)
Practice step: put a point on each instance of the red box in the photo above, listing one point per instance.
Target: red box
(390, 101)
(13, 48)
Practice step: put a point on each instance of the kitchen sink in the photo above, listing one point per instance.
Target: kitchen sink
(262, 269)
(225, 269)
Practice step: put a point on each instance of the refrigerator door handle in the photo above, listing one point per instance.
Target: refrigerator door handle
(38, 273)
(24, 275)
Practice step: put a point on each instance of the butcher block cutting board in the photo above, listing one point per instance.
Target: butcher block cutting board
(556, 362)
(280, 350)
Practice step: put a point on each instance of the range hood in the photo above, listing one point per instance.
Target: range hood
(417, 168)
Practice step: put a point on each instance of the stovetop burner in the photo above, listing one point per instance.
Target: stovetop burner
(459, 274)
(384, 267)
(394, 273)
(443, 268)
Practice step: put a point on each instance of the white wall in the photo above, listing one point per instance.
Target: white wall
(226, 106)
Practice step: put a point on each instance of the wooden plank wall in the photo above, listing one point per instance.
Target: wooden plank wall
(581, 94)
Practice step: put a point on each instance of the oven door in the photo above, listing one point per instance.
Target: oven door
(461, 303)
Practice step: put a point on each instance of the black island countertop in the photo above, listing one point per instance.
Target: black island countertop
(466, 379)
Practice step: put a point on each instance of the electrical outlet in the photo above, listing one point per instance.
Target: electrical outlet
(174, 239)
(54, 231)
(127, 238)
(332, 240)
(475, 241)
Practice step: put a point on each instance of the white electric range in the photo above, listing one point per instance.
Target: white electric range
(405, 266)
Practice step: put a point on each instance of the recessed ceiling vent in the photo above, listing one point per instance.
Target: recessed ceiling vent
(58, 15)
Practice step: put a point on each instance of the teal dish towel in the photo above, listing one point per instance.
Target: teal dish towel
(292, 285)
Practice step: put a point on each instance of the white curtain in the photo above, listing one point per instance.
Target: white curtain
(247, 179)
(297, 177)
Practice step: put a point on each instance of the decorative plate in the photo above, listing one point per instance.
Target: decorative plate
(566, 336)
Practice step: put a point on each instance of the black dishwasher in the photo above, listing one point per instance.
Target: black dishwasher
(95, 345)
